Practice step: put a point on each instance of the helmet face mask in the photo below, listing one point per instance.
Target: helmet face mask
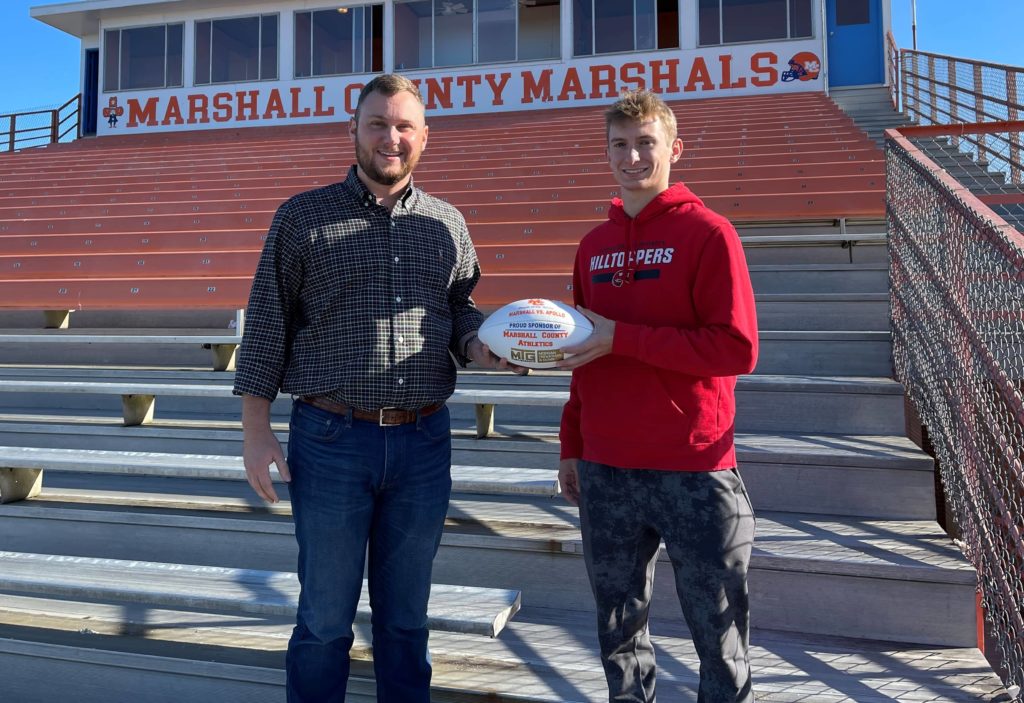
(804, 66)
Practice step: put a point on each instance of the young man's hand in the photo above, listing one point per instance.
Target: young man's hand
(598, 344)
(481, 354)
(569, 480)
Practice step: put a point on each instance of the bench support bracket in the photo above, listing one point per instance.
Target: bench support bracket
(57, 319)
(19, 484)
(484, 420)
(138, 409)
(224, 356)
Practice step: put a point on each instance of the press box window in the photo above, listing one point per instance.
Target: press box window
(849, 12)
(338, 41)
(431, 33)
(732, 21)
(611, 26)
(236, 50)
(142, 57)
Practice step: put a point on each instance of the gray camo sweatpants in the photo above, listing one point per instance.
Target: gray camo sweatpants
(707, 523)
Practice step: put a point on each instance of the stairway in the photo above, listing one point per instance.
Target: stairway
(872, 111)
(870, 108)
(857, 594)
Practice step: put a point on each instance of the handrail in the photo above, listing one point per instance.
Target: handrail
(893, 68)
(49, 121)
(941, 89)
(956, 269)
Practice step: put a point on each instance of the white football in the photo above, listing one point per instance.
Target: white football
(532, 332)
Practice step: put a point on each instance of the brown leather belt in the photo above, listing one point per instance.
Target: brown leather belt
(383, 416)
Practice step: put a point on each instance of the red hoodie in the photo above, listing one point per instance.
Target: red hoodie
(685, 328)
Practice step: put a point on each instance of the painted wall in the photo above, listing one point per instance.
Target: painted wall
(740, 69)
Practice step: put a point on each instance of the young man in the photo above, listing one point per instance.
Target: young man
(360, 299)
(647, 434)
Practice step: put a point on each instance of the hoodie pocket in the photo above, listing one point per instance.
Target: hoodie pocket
(696, 400)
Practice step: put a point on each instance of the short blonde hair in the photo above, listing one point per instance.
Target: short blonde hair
(637, 106)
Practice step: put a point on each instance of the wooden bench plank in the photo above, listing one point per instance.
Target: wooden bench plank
(21, 470)
(463, 609)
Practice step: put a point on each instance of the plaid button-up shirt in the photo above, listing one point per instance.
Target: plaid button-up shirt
(360, 304)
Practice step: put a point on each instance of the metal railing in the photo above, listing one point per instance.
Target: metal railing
(892, 65)
(939, 89)
(41, 127)
(957, 297)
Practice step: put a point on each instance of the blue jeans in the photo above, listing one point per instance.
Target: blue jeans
(358, 489)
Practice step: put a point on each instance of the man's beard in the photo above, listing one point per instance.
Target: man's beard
(365, 159)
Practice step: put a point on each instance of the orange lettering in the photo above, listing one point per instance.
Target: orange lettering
(602, 76)
(138, 114)
(726, 61)
(173, 112)
(497, 88)
(636, 81)
(572, 83)
(296, 112)
(767, 75)
(537, 89)
(436, 95)
(274, 105)
(198, 109)
(667, 74)
(467, 83)
(247, 104)
(222, 106)
(699, 73)
(321, 111)
(352, 91)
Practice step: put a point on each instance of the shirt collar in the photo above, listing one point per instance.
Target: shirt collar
(355, 186)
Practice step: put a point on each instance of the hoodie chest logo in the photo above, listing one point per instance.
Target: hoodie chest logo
(621, 269)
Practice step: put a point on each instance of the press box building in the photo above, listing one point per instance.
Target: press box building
(150, 65)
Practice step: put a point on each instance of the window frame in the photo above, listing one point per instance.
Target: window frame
(259, 49)
(476, 41)
(721, 27)
(634, 50)
(312, 55)
(166, 85)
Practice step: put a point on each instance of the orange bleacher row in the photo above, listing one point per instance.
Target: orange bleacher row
(178, 219)
(698, 154)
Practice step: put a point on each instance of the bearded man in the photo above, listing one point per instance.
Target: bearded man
(361, 300)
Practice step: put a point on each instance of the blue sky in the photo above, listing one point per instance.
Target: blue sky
(40, 64)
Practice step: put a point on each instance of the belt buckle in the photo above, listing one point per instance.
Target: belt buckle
(380, 418)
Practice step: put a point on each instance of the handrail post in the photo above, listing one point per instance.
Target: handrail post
(12, 132)
(933, 104)
(915, 79)
(909, 95)
(1015, 137)
(979, 112)
(53, 127)
(954, 99)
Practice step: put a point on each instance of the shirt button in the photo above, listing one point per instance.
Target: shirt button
(401, 381)
(392, 223)
(396, 259)
(401, 340)
(398, 298)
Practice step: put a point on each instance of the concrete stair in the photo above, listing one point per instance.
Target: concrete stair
(857, 594)
(870, 108)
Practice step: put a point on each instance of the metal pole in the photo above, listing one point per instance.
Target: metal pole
(913, 22)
